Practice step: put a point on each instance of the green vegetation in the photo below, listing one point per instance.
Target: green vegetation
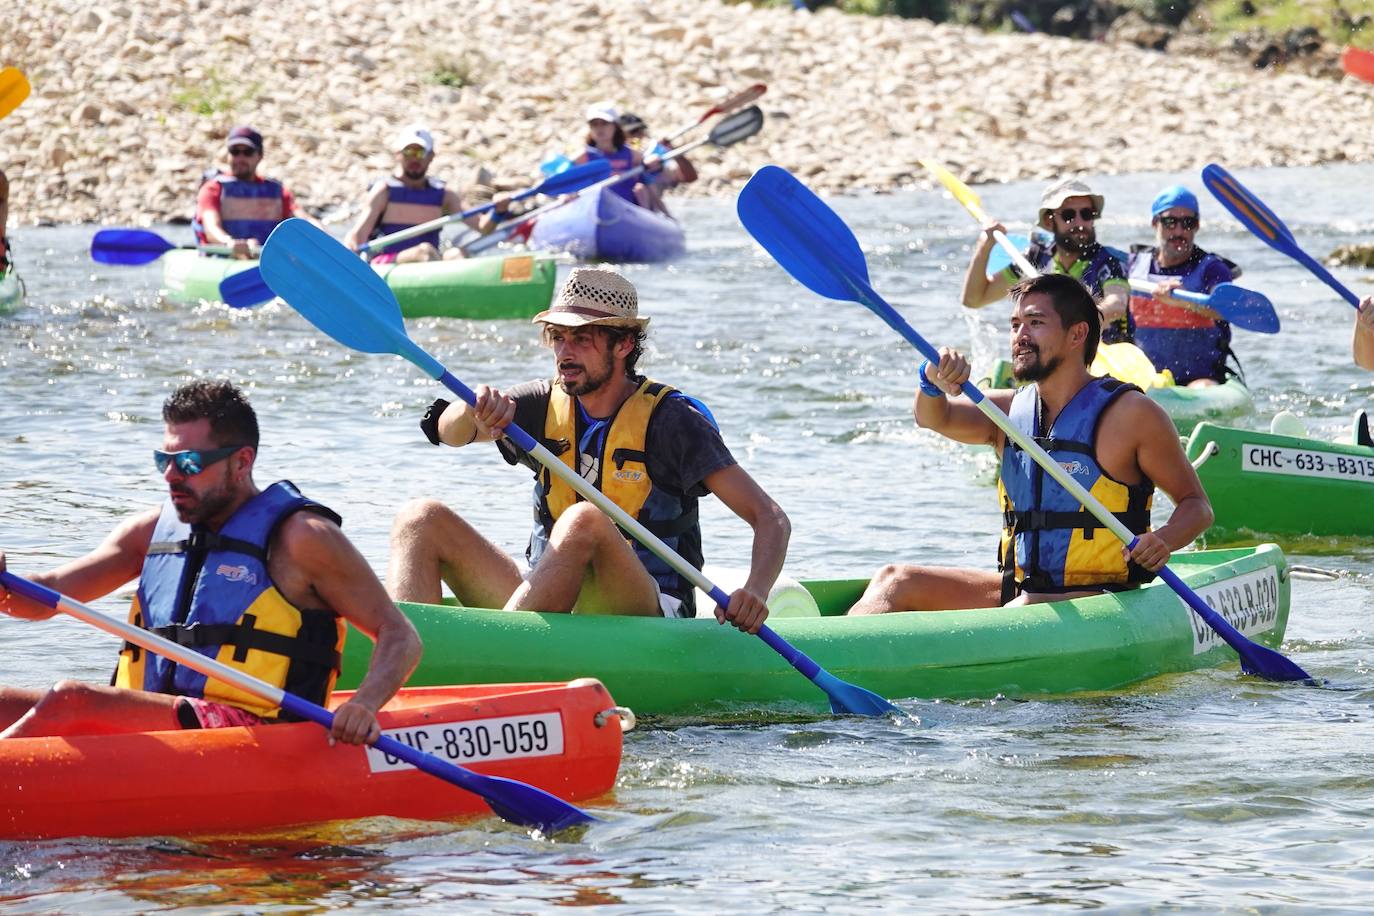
(1340, 23)
(213, 95)
(453, 72)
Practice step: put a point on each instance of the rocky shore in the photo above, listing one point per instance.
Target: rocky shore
(132, 99)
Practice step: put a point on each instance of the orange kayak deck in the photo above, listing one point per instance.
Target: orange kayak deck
(228, 781)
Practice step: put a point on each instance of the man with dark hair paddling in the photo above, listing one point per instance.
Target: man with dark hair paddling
(239, 209)
(261, 580)
(1115, 441)
(651, 450)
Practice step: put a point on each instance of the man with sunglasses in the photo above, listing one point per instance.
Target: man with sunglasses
(238, 209)
(1069, 211)
(262, 580)
(1189, 340)
(410, 197)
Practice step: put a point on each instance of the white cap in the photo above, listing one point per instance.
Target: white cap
(414, 135)
(602, 111)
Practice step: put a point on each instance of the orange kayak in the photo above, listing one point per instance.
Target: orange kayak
(242, 780)
(1358, 63)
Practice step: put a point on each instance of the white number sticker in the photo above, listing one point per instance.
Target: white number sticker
(1301, 462)
(1248, 602)
(537, 735)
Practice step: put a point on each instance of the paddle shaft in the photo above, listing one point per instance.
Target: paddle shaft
(964, 194)
(738, 100)
(211, 668)
(1192, 298)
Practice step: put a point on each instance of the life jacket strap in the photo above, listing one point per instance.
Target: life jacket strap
(202, 541)
(243, 637)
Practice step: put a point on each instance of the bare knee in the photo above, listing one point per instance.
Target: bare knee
(581, 523)
(420, 518)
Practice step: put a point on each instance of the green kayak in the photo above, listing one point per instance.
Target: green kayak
(517, 286)
(1281, 485)
(11, 290)
(1186, 406)
(698, 668)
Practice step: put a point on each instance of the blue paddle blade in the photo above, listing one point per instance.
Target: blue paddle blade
(128, 246)
(573, 179)
(245, 289)
(999, 260)
(789, 221)
(1245, 308)
(1247, 208)
(338, 293)
(844, 697)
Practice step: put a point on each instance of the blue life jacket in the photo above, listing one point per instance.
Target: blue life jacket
(248, 209)
(406, 207)
(622, 474)
(1189, 345)
(1050, 543)
(622, 160)
(211, 591)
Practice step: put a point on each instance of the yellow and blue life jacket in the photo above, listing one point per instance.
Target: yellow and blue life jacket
(622, 473)
(210, 591)
(1050, 543)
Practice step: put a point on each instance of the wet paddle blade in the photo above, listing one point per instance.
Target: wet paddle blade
(574, 179)
(14, 89)
(245, 289)
(337, 292)
(962, 192)
(1127, 362)
(1245, 308)
(128, 246)
(739, 126)
(796, 227)
(1248, 208)
(844, 697)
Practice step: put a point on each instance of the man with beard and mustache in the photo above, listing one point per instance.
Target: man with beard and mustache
(1115, 441)
(410, 197)
(1069, 211)
(651, 450)
(239, 209)
(1189, 340)
(263, 580)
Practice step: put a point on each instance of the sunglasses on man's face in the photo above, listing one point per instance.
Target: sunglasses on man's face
(1086, 214)
(191, 461)
(242, 151)
(1187, 222)
(414, 152)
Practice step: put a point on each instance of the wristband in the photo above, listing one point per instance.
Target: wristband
(928, 388)
(429, 425)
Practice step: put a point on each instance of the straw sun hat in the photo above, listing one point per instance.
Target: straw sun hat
(594, 296)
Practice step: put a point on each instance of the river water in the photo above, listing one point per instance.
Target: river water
(1196, 792)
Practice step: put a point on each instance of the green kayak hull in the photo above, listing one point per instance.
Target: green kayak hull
(494, 288)
(11, 291)
(1283, 486)
(1186, 406)
(698, 668)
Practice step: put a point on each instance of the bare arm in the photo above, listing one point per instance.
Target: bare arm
(1363, 343)
(1116, 296)
(315, 558)
(461, 425)
(4, 204)
(118, 559)
(1161, 458)
(362, 229)
(978, 289)
(772, 531)
(957, 417)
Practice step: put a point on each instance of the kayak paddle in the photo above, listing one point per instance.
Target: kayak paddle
(349, 301)
(974, 205)
(815, 246)
(515, 801)
(1262, 221)
(14, 89)
(136, 246)
(247, 288)
(1244, 308)
(738, 100)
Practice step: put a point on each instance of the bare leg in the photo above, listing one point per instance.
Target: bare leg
(74, 708)
(431, 544)
(1202, 383)
(589, 568)
(14, 702)
(1041, 597)
(929, 588)
(421, 252)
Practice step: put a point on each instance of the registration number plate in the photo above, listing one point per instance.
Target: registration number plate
(1248, 602)
(1303, 462)
(476, 740)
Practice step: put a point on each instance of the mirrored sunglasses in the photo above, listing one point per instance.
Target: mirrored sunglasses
(1187, 222)
(1086, 214)
(192, 461)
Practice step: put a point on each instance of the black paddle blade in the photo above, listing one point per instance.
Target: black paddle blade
(739, 126)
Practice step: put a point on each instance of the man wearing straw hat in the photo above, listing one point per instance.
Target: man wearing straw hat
(1069, 210)
(650, 449)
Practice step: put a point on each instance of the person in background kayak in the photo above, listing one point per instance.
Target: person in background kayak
(238, 209)
(1189, 340)
(262, 580)
(410, 197)
(4, 223)
(606, 140)
(1114, 440)
(1363, 343)
(1069, 210)
(653, 451)
(654, 185)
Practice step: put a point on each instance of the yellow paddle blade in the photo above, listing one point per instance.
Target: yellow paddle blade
(1129, 363)
(14, 88)
(962, 192)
